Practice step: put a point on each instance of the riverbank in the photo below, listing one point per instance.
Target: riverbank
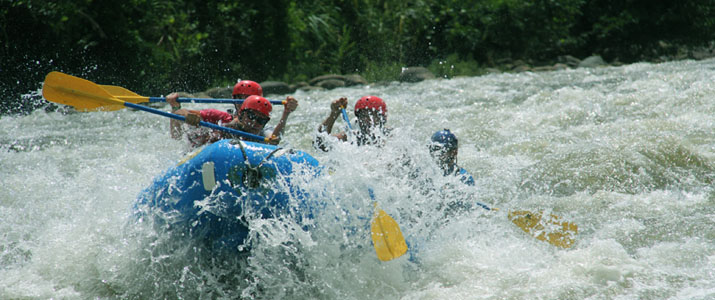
(453, 67)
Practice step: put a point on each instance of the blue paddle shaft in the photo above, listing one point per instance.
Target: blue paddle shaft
(345, 117)
(208, 100)
(202, 123)
(483, 206)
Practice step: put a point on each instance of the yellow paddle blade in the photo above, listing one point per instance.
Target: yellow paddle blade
(82, 94)
(387, 237)
(124, 94)
(551, 229)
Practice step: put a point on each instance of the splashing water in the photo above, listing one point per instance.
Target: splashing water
(627, 153)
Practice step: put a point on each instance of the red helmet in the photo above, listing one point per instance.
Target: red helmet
(258, 104)
(247, 87)
(371, 102)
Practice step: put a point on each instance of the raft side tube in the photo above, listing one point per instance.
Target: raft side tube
(213, 194)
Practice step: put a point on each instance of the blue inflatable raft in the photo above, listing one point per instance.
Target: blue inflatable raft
(212, 195)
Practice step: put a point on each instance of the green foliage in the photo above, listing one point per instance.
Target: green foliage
(156, 46)
(633, 30)
(384, 71)
(454, 66)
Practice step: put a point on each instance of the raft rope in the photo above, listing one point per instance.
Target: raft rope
(252, 175)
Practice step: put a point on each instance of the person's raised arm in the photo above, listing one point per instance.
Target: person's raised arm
(175, 125)
(327, 125)
(290, 105)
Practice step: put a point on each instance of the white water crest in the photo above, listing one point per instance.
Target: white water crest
(627, 153)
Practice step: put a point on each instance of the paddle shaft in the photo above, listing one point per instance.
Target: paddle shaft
(345, 117)
(127, 95)
(86, 95)
(202, 123)
(192, 100)
(484, 206)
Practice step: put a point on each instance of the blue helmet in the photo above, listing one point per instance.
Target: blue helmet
(446, 138)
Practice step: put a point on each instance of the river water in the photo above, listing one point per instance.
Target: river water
(627, 153)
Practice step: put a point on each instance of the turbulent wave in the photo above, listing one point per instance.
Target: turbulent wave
(627, 153)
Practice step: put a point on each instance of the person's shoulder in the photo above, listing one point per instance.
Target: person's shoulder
(212, 111)
(215, 115)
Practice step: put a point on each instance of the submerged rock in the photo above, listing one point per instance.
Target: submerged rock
(415, 74)
(220, 92)
(592, 62)
(276, 87)
(331, 84)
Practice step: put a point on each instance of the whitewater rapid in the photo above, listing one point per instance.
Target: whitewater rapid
(627, 153)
